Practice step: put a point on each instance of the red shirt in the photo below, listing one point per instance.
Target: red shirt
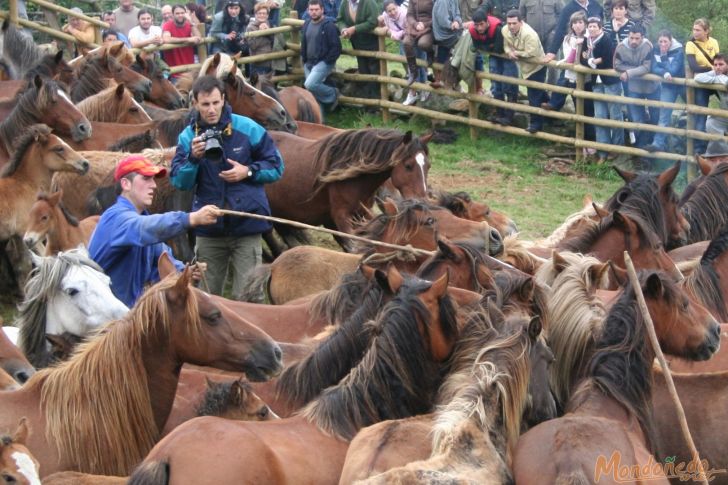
(180, 55)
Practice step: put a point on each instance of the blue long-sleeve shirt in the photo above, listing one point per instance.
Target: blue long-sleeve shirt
(127, 245)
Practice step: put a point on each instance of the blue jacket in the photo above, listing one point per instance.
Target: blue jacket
(673, 62)
(329, 45)
(246, 142)
(127, 245)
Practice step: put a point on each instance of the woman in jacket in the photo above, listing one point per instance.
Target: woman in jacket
(699, 52)
(260, 45)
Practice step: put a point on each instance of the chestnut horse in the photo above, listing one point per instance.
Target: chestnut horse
(50, 66)
(49, 220)
(705, 208)
(708, 282)
(98, 72)
(17, 464)
(327, 181)
(299, 103)
(463, 206)
(114, 105)
(609, 411)
(13, 361)
(7, 383)
(397, 377)
(162, 93)
(120, 386)
(42, 102)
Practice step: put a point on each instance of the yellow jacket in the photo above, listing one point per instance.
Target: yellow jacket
(84, 34)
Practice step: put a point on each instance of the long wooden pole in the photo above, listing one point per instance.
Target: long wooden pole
(663, 364)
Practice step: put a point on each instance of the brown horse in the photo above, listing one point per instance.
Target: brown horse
(17, 464)
(114, 105)
(49, 220)
(7, 383)
(705, 207)
(609, 412)
(463, 206)
(77, 478)
(39, 153)
(315, 131)
(43, 102)
(300, 104)
(327, 181)
(98, 71)
(162, 93)
(414, 335)
(120, 386)
(50, 66)
(106, 135)
(708, 282)
(13, 361)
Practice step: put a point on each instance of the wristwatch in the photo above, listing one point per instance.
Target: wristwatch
(250, 173)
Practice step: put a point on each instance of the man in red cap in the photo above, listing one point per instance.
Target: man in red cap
(128, 241)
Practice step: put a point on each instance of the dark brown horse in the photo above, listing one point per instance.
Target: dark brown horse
(299, 103)
(327, 181)
(162, 93)
(94, 75)
(708, 282)
(462, 205)
(705, 208)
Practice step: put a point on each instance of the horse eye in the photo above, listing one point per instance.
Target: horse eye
(409, 167)
(134, 109)
(72, 292)
(214, 317)
(58, 149)
(44, 218)
(263, 412)
(8, 479)
(430, 221)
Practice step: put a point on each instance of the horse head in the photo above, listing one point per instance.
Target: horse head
(410, 166)
(54, 108)
(163, 92)
(17, 464)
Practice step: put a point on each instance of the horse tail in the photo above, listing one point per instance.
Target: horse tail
(257, 287)
(305, 112)
(150, 473)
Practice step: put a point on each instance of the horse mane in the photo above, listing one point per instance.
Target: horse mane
(704, 281)
(24, 143)
(511, 285)
(46, 67)
(135, 143)
(621, 366)
(19, 49)
(639, 199)
(577, 315)
(560, 232)
(30, 104)
(334, 357)
(219, 397)
(70, 218)
(396, 377)
(405, 223)
(342, 300)
(476, 258)
(705, 210)
(96, 106)
(42, 282)
(580, 243)
(91, 79)
(453, 201)
(103, 390)
(172, 123)
(351, 153)
(516, 253)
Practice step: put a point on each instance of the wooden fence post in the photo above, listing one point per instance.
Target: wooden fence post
(579, 106)
(383, 71)
(692, 168)
(296, 64)
(13, 12)
(473, 108)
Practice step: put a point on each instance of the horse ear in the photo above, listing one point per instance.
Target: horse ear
(140, 61)
(21, 432)
(35, 259)
(622, 221)
(626, 175)
(234, 69)
(495, 315)
(368, 272)
(212, 67)
(559, 261)
(446, 250)
(178, 293)
(254, 79)
(116, 48)
(598, 271)
(236, 56)
(704, 164)
(620, 274)
(653, 286)
(527, 289)
(381, 278)
(534, 327)
(38, 81)
(600, 211)
(119, 92)
(394, 278)
(407, 137)
(425, 139)
(587, 200)
(56, 341)
(666, 178)
(389, 207)
(439, 286)
(59, 57)
(165, 266)
(55, 198)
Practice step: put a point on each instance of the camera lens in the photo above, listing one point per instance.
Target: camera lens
(213, 149)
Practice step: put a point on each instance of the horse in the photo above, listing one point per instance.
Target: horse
(13, 361)
(705, 207)
(114, 105)
(120, 385)
(162, 93)
(652, 199)
(64, 293)
(463, 206)
(43, 102)
(48, 219)
(708, 282)
(17, 464)
(50, 66)
(315, 131)
(244, 98)
(7, 383)
(298, 102)
(608, 414)
(397, 377)
(19, 51)
(94, 75)
(77, 478)
(326, 181)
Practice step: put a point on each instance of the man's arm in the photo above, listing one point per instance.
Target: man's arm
(369, 17)
(216, 29)
(710, 77)
(184, 166)
(643, 68)
(266, 162)
(333, 48)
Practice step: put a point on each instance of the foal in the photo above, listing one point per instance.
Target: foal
(49, 219)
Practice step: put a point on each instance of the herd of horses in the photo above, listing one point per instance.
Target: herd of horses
(479, 358)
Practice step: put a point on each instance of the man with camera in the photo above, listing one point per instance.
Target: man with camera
(228, 157)
(128, 241)
(228, 27)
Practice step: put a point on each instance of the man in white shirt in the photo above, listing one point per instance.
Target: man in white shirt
(145, 33)
(717, 125)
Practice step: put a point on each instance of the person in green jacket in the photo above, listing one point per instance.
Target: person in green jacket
(357, 20)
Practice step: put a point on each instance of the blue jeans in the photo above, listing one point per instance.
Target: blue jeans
(558, 100)
(504, 67)
(638, 114)
(668, 94)
(702, 97)
(421, 71)
(608, 111)
(315, 77)
(536, 96)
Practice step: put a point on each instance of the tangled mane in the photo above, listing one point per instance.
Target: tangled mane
(476, 260)
(222, 396)
(337, 304)
(396, 378)
(577, 315)
(19, 49)
(704, 281)
(96, 107)
(621, 366)
(25, 142)
(583, 217)
(516, 253)
(169, 124)
(92, 78)
(705, 210)
(519, 292)
(403, 224)
(351, 153)
(30, 106)
(42, 284)
(103, 390)
(70, 218)
(582, 242)
(48, 67)
(135, 143)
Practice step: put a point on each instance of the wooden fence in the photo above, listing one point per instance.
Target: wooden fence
(291, 26)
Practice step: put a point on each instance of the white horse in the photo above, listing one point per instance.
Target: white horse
(68, 292)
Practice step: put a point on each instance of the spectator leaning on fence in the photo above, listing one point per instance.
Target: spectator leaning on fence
(166, 13)
(521, 44)
(717, 125)
(126, 16)
(418, 35)
(600, 55)
(640, 11)
(109, 36)
(543, 15)
(668, 61)
(447, 27)
(592, 8)
(633, 59)
(700, 51)
(145, 33)
(619, 26)
(82, 31)
(263, 44)
(110, 18)
(320, 48)
(179, 31)
(228, 27)
(357, 20)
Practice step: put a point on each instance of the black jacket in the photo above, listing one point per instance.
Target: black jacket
(329, 43)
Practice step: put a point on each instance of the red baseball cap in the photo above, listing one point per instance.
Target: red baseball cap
(139, 164)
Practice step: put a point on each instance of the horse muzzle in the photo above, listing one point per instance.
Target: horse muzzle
(31, 239)
(82, 166)
(81, 131)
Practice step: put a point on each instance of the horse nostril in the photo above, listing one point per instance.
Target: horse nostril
(82, 127)
(22, 376)
(277, 352)
(85, 165)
